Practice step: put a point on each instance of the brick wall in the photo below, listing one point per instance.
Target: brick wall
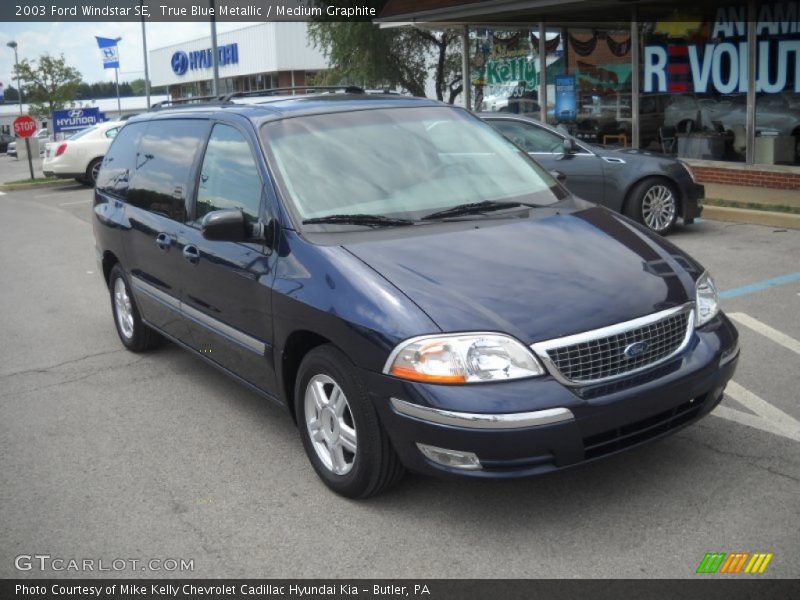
(766, 179)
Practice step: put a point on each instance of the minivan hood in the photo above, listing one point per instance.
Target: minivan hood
(535, 278)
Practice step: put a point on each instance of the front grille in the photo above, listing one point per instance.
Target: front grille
(603, 358)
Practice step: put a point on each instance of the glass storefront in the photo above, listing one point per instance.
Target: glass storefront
(699, 72)
(692, 96)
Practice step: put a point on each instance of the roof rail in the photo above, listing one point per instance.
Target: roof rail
(309, 89)
(215, 100)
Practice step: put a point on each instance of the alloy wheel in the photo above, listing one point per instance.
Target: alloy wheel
(330, 424)
(659, 207)
(95, 171)
(123, 308)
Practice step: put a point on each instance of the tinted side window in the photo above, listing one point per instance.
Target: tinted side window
(164, 164)
(120, 160)
(529, 137)
(229, 177)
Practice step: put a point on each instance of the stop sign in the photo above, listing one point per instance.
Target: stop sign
(24, 126)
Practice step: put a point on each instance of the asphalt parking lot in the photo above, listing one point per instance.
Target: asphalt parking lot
(106, 454)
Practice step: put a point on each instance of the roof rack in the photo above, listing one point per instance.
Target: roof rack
(309, 89)
(227, 98)
(191, 100)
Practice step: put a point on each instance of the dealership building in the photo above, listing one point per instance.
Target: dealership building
(256, 57)
(714, 83)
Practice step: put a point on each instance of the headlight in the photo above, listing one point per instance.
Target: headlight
(462, 358)
(706, 299)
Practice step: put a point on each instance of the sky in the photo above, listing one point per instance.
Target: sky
(76, 41)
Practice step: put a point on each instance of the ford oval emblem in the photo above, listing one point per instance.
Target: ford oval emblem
(635, 349)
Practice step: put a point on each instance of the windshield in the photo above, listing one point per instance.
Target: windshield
(406, 162)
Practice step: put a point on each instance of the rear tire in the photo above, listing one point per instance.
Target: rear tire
(132, 331)
(339, 427)
(653, 202)
(91, 172)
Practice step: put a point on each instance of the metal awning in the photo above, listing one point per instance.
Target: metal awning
(572, 13)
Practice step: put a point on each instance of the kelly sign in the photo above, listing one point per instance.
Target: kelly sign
(71, 119)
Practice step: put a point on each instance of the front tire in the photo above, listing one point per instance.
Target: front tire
(339, 427)
(653, 202)
(132, 331)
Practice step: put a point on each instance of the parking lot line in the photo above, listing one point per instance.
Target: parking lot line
(765, 330)
(766, 418)
(760, 285)
(75, 202)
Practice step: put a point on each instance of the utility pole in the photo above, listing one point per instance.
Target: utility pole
(214, 56)
(144, 49)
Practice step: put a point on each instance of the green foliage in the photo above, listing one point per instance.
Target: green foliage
(48, 83)
(108, 89)
(11, 95)
(362, 53)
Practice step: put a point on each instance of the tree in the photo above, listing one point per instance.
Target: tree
(11, 95)
(48, 84)
(362, 53)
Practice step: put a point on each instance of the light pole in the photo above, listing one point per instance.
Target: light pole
(144, 50)
(116, 78)
(12, 44)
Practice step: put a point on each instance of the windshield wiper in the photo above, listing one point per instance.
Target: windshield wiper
(475, 207)
(360, 219)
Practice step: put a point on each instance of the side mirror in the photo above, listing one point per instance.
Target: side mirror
(569, 146)
(560, 176)
(224, 226)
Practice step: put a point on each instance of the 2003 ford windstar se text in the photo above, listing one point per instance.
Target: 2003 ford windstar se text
(413, 288)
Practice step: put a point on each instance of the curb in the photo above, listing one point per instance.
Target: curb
(16, 187)
(754, 217)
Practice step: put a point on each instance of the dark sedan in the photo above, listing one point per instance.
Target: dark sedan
(649, 188)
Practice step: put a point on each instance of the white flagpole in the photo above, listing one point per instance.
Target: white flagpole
(119, 104)
(116, 78)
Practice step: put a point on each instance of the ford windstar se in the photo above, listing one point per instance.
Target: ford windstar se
(412, 287)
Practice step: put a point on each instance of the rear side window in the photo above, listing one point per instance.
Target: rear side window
(229, 177)
(163, 166)
(120, 160)
(530, 137)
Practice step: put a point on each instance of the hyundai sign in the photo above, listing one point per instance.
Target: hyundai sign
(181, 61)
(71, 119)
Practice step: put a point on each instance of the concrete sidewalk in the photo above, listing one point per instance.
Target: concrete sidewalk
(746, 193)
(13, 169)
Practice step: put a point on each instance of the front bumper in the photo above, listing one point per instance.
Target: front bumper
(497, 421)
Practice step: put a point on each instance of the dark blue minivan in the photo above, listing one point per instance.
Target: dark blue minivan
(412, 287)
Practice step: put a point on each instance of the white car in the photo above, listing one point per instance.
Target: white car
(80, 155)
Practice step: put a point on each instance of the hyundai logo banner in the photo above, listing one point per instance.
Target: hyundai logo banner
(71, 119)
(182, 62)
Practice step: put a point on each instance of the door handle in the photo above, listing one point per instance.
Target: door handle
(163, 240)
(191, 253)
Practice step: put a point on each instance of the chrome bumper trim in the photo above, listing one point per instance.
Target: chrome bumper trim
(548, 416)
(729, 355)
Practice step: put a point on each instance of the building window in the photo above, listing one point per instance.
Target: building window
(694, 87)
